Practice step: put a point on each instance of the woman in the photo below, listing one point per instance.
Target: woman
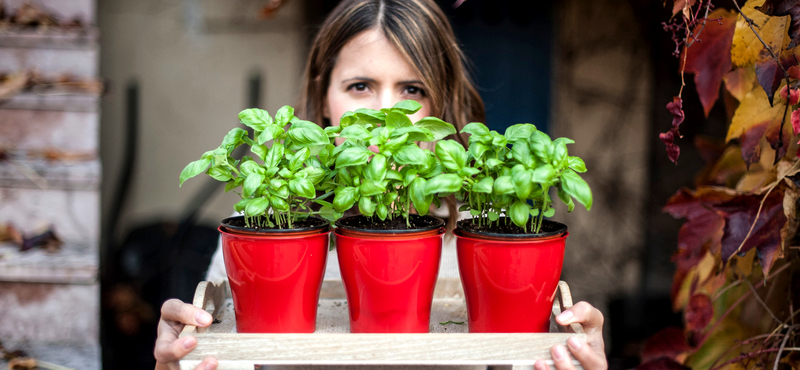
(372, 54)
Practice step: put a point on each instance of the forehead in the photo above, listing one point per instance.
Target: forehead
(372, 55)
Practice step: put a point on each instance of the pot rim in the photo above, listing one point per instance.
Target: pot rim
(561, 230)
(439, 224)
(238, 230)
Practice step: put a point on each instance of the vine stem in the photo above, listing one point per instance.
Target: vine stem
(738, 302)
(761, 205)
(783, 345)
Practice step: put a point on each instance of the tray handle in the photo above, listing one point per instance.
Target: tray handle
(209, 297)
(562, 302)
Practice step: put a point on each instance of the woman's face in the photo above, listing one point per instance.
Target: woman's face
(371, 73)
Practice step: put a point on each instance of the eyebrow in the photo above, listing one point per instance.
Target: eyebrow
(357, 78)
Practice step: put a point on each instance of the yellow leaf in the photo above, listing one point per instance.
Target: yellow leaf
(740, 81)
(754, 109)
(746, 46)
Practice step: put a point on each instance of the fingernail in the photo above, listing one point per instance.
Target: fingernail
(575, 343)
(211, 365)
(189, 342)
(559, 352)
(564, 316)
(202, 317)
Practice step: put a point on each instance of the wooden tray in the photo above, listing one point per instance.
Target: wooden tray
(332, 344)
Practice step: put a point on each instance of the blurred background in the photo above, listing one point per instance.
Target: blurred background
(104, 103)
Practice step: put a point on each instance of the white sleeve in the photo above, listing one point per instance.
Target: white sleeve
(216, 272)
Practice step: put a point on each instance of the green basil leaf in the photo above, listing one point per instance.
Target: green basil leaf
(251, 184)
(280, 192)
(299, 123)
(420, 199)
(233, 139)
(344, 198)
(394, 143)
(393, 175)
(270, 132)
(520, 131)
(369, 188)
(284, 115)
(370, 115)
(438, 128)
(549, 212)
(240, 206)
(493, 162)
(565, 198)
(543, 174)
(540, 144)
(347, 119)
(274, 156)
(382, 211)
(397, 120)
(451, 154)
(534, 212)
(277, 183)
(520, 213)
(522, 184)
(259, 150)
(255, 118)
(559, 159)
(195, 168)
(410, 154)
(279, 203)
(522, 153)
(576, 187)
(476, 150)
(298, 158)
(308, 136)
(250, 167)
(315, 175)
(445, 183)
(503, 185)
(475, 128)
(354, 156)
(302, 187)
(219, 174)
(230, 185)
(331, 131)
(407, 106)
(483, 186)
(376, 169)
(256, 207)
(493, 216)
(414, 133)
(356, 132)
(498, 140)
(577, 165)
(409, 177)
(366, 206)
(468, 172)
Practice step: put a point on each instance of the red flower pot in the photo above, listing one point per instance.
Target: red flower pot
(510, 281)
(275, 276)
(389, 277)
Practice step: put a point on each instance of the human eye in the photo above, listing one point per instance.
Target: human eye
(414, 91)
(358, 87)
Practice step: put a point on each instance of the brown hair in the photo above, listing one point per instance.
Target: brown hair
(422, 34)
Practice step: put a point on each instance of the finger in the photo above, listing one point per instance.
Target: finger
(184, 313)
(561, 358)
(170, 351)
(540, 365)
(207, 364)
(588, 358)
(582, 313)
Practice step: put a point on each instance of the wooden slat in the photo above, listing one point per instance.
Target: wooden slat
(77, 62)
(44, 175)
(52, 102)
(74, 214)
(85, 10)
(73, 264)
(42, 130)
(51, 39)
(331, 344)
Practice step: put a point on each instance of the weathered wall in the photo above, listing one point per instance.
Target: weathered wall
(192, 59)
(602, 101)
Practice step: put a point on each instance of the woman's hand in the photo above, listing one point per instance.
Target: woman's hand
(169, 347)
(590, 353)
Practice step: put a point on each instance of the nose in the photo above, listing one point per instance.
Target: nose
(387, 98)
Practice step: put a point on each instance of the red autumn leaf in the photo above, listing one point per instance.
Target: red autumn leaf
(662, 363)
(740, 213)
(780, 143)
(795, 95)
(698, 312)
(794, 72)
(668, 138)
(780, 8)
(669, 343)
(701, 232)
(796, 122)
(769, 74)
(709, 58)
(751, 139)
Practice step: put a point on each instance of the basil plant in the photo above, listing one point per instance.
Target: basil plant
(283, 177)
(509, 175)
(380, 167)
